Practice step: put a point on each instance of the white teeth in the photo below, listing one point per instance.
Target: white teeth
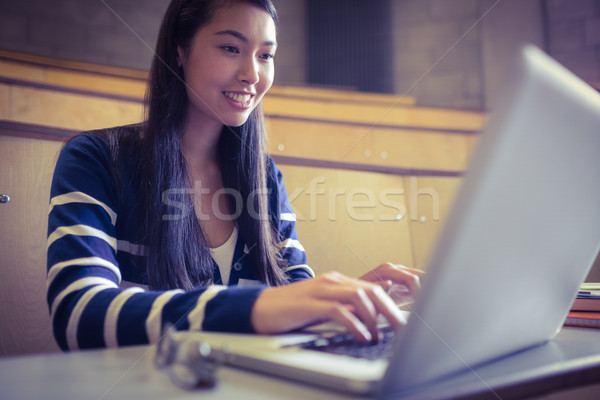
(240, 98)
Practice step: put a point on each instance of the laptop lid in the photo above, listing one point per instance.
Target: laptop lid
(521, 238)
(523, 232)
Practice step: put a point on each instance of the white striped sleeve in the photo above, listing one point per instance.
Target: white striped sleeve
(196, 316)
(85, 262)
(81, 230)
(80, 197)
(291, 243)
(80, 284)
(154, 320)
(112, 315)
(301, 266)
(75, 316)
(288, 216)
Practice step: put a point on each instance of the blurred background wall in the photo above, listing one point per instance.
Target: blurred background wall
(447, 53)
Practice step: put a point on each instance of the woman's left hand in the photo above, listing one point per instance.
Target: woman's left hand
(388, 274)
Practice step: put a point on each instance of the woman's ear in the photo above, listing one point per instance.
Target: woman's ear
(180, 56)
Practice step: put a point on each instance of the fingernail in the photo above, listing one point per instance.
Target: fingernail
(366, 334)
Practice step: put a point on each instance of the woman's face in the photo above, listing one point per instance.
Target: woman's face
(229, 65)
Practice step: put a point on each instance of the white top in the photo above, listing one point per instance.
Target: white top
(223, 255)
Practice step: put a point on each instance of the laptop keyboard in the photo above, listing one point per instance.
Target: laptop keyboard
(346, 344)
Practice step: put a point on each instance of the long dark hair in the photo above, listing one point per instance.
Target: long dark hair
(178, 256)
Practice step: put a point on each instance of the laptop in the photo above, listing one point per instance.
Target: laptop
(521, 238)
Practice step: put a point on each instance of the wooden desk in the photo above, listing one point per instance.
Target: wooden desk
(572, 359)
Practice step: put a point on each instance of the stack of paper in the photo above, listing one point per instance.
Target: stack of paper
(586, 307)
(588, 298)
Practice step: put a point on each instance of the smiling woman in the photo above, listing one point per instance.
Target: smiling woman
(225, 90)
(184, 220)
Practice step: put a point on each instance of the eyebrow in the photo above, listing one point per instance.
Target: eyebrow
(243, 38)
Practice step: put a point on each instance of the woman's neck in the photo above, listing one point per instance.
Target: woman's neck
(200, 142)
(200, 145)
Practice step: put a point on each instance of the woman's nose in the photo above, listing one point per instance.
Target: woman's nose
(248, 72)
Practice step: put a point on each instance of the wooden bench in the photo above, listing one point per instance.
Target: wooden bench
(355, 130)
(379, 147)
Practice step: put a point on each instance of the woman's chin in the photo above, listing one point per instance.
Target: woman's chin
(236, 122)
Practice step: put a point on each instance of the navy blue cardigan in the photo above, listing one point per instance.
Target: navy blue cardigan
(97, 287)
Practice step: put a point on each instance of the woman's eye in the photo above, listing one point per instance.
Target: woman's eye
(267, 56)
(230, 49)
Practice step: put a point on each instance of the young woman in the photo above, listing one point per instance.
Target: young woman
(184, 219)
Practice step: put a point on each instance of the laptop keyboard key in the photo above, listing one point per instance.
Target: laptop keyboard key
(346, 344)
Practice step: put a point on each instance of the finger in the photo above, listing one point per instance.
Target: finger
(412, 281)
(391, 267)
(382, 303)
(415, 271)
(400, 294)
(388, 271)
(386, 284)
(347, 319)
(402, 275)
(387, 307)
(352, 292)
(366, 311)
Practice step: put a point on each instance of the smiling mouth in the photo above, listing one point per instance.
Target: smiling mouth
(243, 99)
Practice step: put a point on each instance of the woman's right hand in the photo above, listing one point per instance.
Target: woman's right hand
(352, 303)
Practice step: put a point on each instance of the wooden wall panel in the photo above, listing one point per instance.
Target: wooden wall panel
(349, 221)
(49, 62)
(345, 96)
(437, 151)
(317, 140)
(21, 71)
(429, 200)
(76, 111)
(374, 114)
(4, 101)
(99, 83)
(401, 148)
(26, 167)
